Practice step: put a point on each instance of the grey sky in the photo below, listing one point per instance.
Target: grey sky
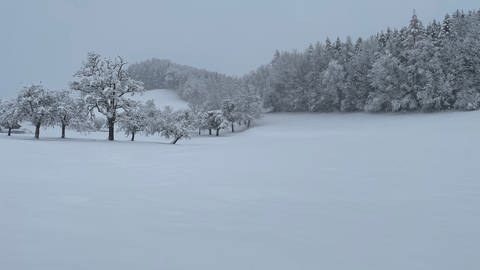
(46, 40)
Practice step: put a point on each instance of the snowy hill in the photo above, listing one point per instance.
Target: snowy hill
(163, 98)
(298, 191)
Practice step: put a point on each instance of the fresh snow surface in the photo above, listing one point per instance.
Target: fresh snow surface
(297, 191)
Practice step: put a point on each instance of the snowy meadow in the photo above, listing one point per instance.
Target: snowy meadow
(345, 155)
(332, 191)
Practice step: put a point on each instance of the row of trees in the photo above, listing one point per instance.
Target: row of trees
(203, 90)
(147, 119)
(44, 108)
(415, 68)
(103, 87)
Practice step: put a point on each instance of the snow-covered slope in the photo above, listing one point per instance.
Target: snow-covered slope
(298, 191)
(162, 98)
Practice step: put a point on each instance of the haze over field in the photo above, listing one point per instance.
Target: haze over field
(232, 37)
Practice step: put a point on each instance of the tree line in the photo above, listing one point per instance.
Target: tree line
(202, 89)
(414, 68)
(103, 87)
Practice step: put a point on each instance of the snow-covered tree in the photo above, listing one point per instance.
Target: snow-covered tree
(249, 107)
(38, 106)
(414, 32)
(230, 113)
(104, 84)
(199, 121)
(333, 87)
(10, 116)
(215, 121)
(388, 79)
(177, 124)
(359, 85)
(195, 91)
(133, 120)
(71, 112)
(169, 123)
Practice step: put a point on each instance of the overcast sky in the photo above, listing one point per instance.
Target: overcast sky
(46, 40)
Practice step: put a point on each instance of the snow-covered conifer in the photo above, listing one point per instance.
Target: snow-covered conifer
(333, 79)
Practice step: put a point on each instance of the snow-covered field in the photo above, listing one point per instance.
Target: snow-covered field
(298, 191)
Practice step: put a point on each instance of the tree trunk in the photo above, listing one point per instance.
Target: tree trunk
(199, 132)
(176, 140)
(9, 131)
(37, 131)
(133, 137)
(233, 127)
(248, 123)
(63, 131)
(111, 129)
(209, 131)
(218, 132)
(340, 97)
